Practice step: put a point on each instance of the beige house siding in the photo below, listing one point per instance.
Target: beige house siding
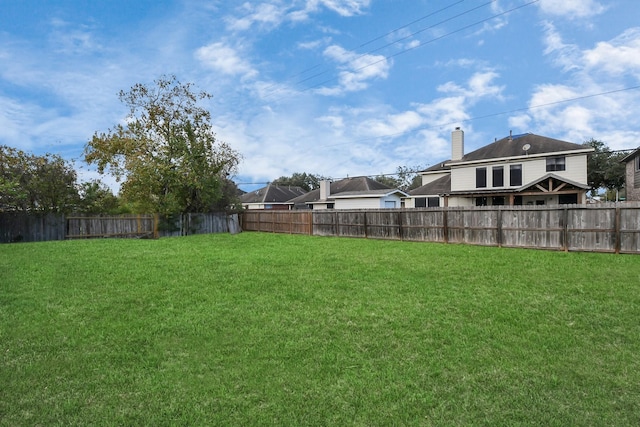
(366, 202)
(463, 178)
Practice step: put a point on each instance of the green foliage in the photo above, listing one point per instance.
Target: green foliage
(36, 183)
(388, 181)
(264, 329)
(97, 198)
(406, 178)
(303, 180)
(604, 169)
(166, 152)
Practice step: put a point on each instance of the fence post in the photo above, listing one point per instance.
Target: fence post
(445, 224)
(366, 231)
(400, 232)
(499, 227)
(565, 229)
(617, 228)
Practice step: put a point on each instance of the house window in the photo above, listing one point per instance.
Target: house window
(637, 162)
(498, 176)
(497, 201)
(555, 164)
(330, 205)
(481, 201)
(481, 177)
(421, 202)
(433, 202)
(515, 175)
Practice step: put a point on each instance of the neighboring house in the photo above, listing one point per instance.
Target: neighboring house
(271, 197)
(351, 193)
(632, 176)
(522, 169)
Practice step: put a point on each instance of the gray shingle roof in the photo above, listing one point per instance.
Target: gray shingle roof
(439, 186)
(513, 146)
(272, 194)
(353, 186)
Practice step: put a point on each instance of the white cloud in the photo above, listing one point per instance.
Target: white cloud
(341, 7)
(263, 14)
(479, 85)
(565, 55)
(225, 59)
(356, 70)
(571, 8)
(618, 56)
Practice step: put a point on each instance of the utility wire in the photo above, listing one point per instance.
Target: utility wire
(466, 27)
(406, 37)
(383, 36)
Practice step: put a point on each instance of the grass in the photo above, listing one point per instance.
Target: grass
(261, 329)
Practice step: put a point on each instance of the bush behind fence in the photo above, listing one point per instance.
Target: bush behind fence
(587, 228)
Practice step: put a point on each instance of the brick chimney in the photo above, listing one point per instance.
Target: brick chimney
(457, 144)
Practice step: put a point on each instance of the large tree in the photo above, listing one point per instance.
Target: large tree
(166, 152)
(604, 169)
(34, 183)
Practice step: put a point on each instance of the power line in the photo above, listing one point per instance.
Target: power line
(466, 27)
(406, 37)
(389, 44)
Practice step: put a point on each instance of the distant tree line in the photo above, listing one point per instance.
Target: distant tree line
(48, 183)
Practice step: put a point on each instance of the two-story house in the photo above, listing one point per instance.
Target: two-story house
(524, 169)
(632, 175)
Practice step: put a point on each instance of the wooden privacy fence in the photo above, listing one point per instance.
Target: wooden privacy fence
(23, 227)
(277, 221)
(84, 227)
(30, 227)
(599, 228)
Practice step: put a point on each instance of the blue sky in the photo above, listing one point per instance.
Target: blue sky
(331, 87)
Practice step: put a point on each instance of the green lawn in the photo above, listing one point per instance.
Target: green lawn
(262, 329)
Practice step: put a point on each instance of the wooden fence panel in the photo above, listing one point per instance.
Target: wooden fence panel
(324, 223)
(111, 226)
(423, 225)
(384, 224)
(629, 230)
(478, 226)
(30, 227)
(591, 229)
(533, 227)
(277, 221)
(351, 223)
